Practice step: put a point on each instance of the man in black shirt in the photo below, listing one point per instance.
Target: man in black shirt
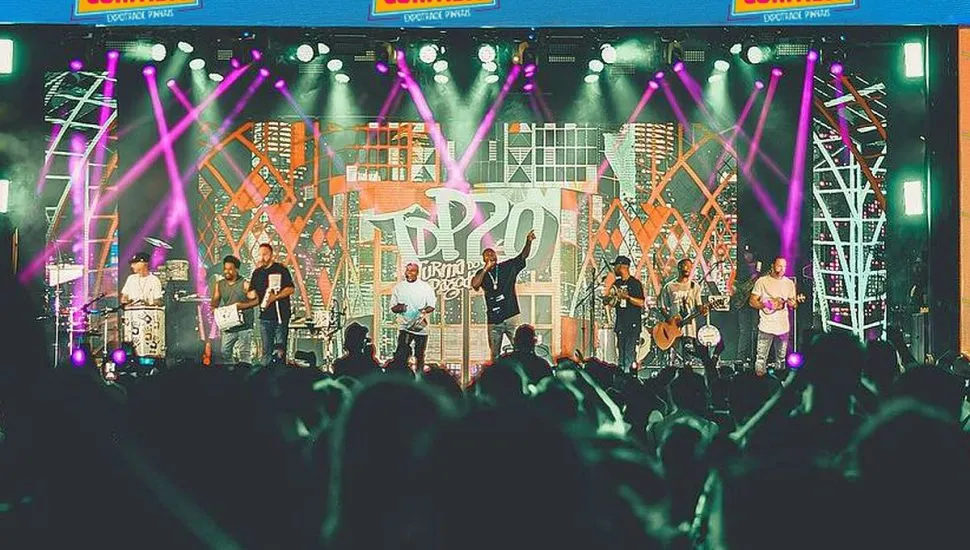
(497, 280)
(272, 285)
(626, 295)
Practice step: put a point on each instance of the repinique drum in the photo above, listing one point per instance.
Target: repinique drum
(708, 335)
(144, 328)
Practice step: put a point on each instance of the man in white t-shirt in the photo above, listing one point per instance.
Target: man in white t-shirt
(141, 287)
(773, 296)
(413, 300)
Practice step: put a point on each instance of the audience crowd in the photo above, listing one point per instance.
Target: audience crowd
(859, 448)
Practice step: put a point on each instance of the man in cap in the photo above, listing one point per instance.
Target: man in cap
(626, 296)
(141, 287)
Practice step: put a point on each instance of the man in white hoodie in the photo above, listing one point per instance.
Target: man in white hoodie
(413, 300)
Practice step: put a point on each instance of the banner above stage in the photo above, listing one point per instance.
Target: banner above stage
(485, 13)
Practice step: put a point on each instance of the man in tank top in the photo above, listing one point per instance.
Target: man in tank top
(234, 290)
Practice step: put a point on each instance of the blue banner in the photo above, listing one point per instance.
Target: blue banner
(485, 13)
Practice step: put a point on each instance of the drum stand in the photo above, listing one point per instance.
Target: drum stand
(589, 302)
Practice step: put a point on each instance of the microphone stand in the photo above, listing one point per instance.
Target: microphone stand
(588, 301)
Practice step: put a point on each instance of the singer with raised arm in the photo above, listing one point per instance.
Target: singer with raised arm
(626, 296)
(773, 296)
(141, 287)
(497, 281)
(413, 301)
(272, 285)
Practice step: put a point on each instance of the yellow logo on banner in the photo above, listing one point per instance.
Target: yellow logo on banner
(95, 7)
(389, 7)
(752, 7)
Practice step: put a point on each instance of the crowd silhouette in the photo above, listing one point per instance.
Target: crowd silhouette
(862, 447)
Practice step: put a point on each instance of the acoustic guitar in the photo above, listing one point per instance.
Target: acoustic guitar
(666, 334)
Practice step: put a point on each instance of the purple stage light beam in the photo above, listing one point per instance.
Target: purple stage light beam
(486, 124)
(36, 265)
(105, 118)
(634, 115)
(793, 217)
(843, 121)
(738, 124)
(755, 146)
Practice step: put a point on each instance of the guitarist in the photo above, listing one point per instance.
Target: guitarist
(772, 296)
(681, 297)
(413, 300)
(626, 295)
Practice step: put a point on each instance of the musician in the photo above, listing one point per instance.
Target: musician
(748, 273)
(233, 290)
(626, 296)
(497, 280)
(772, 296)
(682, 297)
(141, 287)
(412, 299)
(272, 285)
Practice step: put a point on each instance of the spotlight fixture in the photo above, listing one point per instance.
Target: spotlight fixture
(264, 72)
(813, 55)
(119, 356)
(280, 84)
(678, 66)
(428, 53)
(608, 53)
(159, 52)
(79, 357)
(234, 63)
(530, 70)
(440, 66)
(335, 65)
(529, 86)
(721, 65)
(735, 48)
(197, 64)
(113, 54)
(592, 78)
(149, 70)
(75, 65)
(185, 47)
(441, 78)
(659, 75)
(653, 85)
(341, 78)
(759, 84)
(304, 53)
(216, 77)
(777, 71)
(836, 69)
(487, 53)
(913, 60)
(490, 66)
(6, 55)
(756, 55)
(170, 83)
(596, 65)
(381, 67)
(322, 48)
(795, 360)
(491, 79)
(257, 55)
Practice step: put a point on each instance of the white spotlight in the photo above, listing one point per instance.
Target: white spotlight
(159, 52)
(721, 65)
(592, 78)
(491, 79)
(441, 78)
(490, 66)
(216, 77)
(197, 64)
(755, 55)
(322, 48)
(4, 196)
(341, 78)
(428, 53)
(335, 65)
(596, 65)
(735, 48)
(440, 66)
(304, 53)
(608, 53)
(186, 47)
(487, 53)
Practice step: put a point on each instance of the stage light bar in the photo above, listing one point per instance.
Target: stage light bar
(335, 65)
(608, 53)
(913, 59)
(592, 78)
(721, 65)
(6, 56)
(159, 52)
(304, 53)
(487, 53)
(342, 78)
(185, 47)
(4, 196)
(913, 197)
(440, 66)
(596, 65)
(197, 64)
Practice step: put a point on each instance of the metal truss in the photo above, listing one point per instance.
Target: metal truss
(849, 132)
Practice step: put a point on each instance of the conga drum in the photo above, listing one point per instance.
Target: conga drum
(144, 328)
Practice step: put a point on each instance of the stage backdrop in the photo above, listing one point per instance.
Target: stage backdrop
(347, 206)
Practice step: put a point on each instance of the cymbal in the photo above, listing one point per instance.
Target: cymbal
(158, 243)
